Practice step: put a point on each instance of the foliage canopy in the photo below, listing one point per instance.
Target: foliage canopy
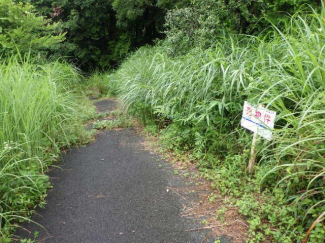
(23, 31)
(100, 33)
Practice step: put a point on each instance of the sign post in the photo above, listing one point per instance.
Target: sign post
(260, 121)
(252, 159)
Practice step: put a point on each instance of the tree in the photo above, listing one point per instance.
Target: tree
(100, 33)
(23, 31)
(201, 22)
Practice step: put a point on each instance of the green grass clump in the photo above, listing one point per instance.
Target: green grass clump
(198, 98)
(117, 122)
(100, 84)
(39, 114)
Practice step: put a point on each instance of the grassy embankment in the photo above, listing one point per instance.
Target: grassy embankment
(40, 113)
(195, 103)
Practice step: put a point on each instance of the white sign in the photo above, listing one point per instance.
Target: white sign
(258, 120)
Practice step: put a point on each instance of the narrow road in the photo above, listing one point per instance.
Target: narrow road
(112, 191)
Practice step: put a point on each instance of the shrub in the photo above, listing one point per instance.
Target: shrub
(201, 93)
(200, 23)
(23, 31)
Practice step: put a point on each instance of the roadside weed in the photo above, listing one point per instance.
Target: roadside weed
(196, 101)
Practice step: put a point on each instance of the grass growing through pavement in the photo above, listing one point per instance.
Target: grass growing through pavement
(117, 120)
(39, 114)
(197, 98)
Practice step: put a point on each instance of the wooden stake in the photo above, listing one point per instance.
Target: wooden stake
(251, 163)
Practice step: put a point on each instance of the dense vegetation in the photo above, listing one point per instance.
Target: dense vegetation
(39, 111)
(23, 31)
(187, 87)
(39, 115)
(100, 33)
(196, 98)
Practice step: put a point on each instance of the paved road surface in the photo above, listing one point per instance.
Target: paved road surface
(112, 191)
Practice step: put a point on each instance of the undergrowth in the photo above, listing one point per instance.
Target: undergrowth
(195, 101)
(118, 120)
(40, 113)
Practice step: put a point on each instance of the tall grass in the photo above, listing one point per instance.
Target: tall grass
(38, 116)
(202, 94)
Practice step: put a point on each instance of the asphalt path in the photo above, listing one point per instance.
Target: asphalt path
(113, 191)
